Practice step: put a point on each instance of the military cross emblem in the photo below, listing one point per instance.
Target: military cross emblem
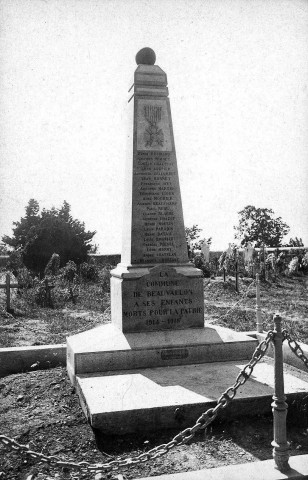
(153, 135)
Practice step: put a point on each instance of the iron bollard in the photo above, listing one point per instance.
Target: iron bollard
(258, 306)
(280, 443)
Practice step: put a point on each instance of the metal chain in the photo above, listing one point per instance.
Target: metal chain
(295, 347)
(183, 437)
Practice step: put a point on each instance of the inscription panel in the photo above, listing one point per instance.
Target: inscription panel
(157, 210)
(174, 353)
(162, 300)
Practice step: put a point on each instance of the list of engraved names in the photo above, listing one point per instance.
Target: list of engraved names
(155, 176)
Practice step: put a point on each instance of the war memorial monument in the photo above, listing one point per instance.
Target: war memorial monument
(130, 374)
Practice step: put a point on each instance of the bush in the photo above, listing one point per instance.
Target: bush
(305, 263)
(88, 271)
(271, 262)
(281, 263)
(43, 296)
(228, 259)
(53, 266)
(69, 272)
(15, 262)
(104, 278)
(24, 278)
(293, 266)
(202, 265)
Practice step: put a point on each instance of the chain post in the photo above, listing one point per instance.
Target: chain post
(258, 305)
(280, 443)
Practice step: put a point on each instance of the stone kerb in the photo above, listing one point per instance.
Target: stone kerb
(23, 359)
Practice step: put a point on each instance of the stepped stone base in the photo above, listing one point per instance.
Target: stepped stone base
(106, 348)
(173, 397)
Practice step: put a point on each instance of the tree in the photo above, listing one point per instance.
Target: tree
(259, 226)
(37, 236)
(193, 237)
(4, 250)
(294, 242)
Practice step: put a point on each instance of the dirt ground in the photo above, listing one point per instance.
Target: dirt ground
(41, 409)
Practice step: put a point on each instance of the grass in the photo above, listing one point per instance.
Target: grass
(34, 325)
(288, 296)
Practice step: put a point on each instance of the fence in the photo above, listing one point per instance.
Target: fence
(279, 408)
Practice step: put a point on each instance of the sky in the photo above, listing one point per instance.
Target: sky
(237, 76)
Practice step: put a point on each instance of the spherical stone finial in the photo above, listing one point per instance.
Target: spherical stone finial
(145, 56)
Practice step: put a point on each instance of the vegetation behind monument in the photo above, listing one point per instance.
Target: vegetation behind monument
(38, 235)
(56, 246)
(260, 227)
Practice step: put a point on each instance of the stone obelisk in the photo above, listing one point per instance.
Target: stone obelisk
(155, 287)
(156, 293)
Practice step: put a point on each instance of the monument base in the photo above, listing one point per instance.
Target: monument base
(165, 379)
(156, 297)
(106, 348)
(113, 373)
(128, 401)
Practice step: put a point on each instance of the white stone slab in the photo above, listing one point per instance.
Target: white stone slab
(109, 338)
(127, 401)
(107, 348)
(132, 391)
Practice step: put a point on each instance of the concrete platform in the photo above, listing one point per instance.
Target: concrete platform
(173, 397)
(107, 348)
(253, 471)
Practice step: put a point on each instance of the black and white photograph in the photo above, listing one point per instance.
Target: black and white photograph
(153, 239)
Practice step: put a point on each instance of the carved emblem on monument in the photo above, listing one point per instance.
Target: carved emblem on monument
(153, 135)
